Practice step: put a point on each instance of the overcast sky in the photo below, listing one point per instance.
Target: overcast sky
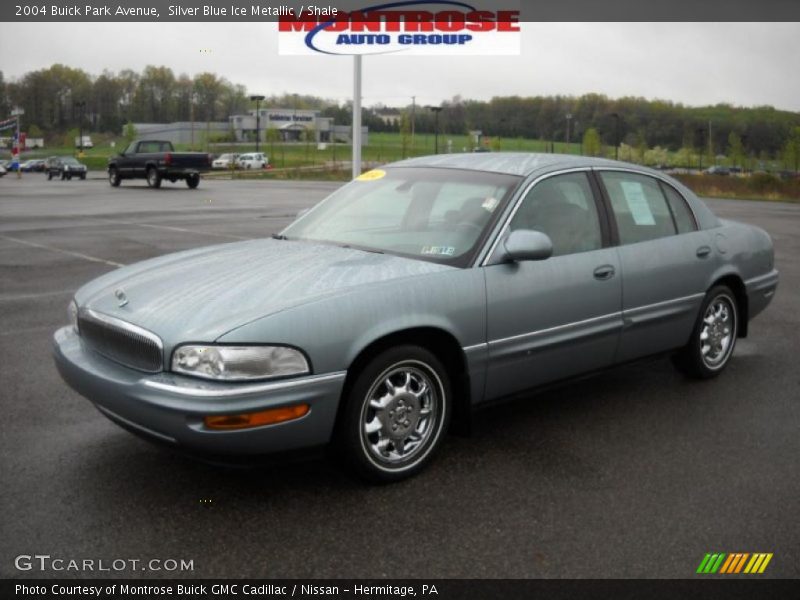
(744, 64)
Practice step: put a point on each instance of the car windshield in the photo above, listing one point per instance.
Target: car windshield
(70, 161)
(440, 215)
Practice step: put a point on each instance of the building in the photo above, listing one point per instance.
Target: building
(292, 125)
(184, 132)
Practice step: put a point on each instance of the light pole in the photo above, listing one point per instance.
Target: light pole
(413, 119)
(616, 135)
(702, 133)
(436, 110)
(569, 118)
(257, 99)
(294, 117)
(81, 106)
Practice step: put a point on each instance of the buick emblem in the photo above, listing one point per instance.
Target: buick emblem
(121, 297)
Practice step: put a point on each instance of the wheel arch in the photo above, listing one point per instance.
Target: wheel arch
(735, 283)
(444, 346)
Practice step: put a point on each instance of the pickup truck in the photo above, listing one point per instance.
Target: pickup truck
(154, 161)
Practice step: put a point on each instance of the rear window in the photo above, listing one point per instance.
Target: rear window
(639, 206)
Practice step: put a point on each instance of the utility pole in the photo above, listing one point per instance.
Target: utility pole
(701, 132)
(569, 118)
(710, 141)
(257, 99)
(616, 135)
(413, 119)
(191, 112)
(436, 110)
(80, 106)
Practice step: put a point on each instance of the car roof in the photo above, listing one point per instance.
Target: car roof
(525, 164)
(513, 163)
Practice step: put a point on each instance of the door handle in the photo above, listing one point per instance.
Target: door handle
(604, 272)
(703, 251)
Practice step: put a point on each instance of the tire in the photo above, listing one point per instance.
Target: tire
(713, 338)
(83, 175)
(395, 414)
(49, 176)
(153, 178)
(193, 180)
(69, 177)
(113, 177)
(63, 176)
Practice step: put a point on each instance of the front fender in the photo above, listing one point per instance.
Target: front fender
(332, 331)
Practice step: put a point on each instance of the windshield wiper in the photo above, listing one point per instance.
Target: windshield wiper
(363, 249)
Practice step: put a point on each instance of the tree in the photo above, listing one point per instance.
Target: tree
(130, 132)
(592, 146)
(405, 132)
(791, 152)
(5, 107)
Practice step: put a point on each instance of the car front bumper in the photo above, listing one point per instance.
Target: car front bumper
(170, 408)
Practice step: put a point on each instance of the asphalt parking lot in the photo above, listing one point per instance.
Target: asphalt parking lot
(633, 473)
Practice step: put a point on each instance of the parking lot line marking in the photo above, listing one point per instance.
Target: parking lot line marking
(62, 251)
(181, 229)
(35, 295)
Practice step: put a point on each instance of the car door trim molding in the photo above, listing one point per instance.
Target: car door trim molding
(611, 319)
(492, 245)
(660, 310)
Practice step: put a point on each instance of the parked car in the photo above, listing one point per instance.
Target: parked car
(65, 167)
(224, 161)
(252, 160)
(407, 298)
(34, 165)
(3, 170)
(156, 160)
(717, 170)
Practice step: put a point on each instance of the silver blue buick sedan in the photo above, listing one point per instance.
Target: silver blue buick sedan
(409, 297)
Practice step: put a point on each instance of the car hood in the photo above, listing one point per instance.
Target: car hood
(202, 294)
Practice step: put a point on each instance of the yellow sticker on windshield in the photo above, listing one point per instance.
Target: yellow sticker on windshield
(371, 175)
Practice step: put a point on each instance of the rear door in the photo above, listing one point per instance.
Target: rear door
(664, 260)
(558, 317)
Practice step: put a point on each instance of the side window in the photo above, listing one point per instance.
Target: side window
(563, 207)
(684, 219)
(640, 208)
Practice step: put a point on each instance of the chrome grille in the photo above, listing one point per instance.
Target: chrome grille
(121, 342)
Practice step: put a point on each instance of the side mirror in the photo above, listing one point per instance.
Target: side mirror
(526, 244)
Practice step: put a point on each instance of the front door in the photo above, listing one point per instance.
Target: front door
(554, 318)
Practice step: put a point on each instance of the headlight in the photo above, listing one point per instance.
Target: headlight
(239, 363)
(72, 315)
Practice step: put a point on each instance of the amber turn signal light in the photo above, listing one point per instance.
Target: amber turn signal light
(257, 419)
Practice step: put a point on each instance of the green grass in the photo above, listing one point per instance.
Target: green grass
(304, 160)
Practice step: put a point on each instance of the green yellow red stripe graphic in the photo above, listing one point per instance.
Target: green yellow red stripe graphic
(734, 563)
